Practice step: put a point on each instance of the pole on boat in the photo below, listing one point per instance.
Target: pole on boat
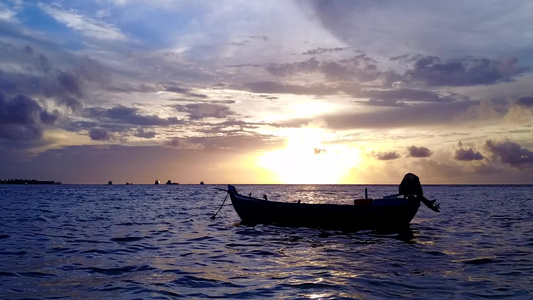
(366, 193)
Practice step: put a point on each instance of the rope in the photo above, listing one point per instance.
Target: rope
(213, 217)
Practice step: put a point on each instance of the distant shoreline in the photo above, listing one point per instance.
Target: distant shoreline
(28, 181)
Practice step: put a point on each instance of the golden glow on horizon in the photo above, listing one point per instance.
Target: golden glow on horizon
(306, 160)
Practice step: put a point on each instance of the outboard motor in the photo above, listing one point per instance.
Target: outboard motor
(410, 186)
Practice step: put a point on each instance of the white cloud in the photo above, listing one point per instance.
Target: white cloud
(87, 26)
(7, 15)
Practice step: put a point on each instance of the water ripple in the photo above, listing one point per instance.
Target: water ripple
(159, 242)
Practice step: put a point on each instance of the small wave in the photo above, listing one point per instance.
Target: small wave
(13, 252)
(89, 241)
(479, 261)
(118, 271)
(36, 274)
(8, 274)
(199, 282)
(126, 239)
(97, 251)
(3, 236)
(263, 253)
(436, 253)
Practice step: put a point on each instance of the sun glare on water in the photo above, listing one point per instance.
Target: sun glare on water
(306, 160)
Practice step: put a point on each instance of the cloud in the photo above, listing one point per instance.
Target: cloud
(418, 152)
(484, 111)
(520, 111)
(238, 141)
(129, 115)
(467, 71)
(308, 66)
(22, 118)
(182, 143)
(89, 27)
(387, 155)
(511, 153)
(198, 111)
(320, 50)
(7, 15)
(272, 87)
(360, 68)
(37, 77)
(99, 134)
(144, 134)
(467, 155)
(427, 114)
(524, 102)
(398, 97)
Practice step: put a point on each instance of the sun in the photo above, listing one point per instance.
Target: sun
(306, 159)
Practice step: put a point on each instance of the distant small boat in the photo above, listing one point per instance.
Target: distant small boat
(110, 182)
(393, 212)
(169, 182)
(201, 182)
(156, 182)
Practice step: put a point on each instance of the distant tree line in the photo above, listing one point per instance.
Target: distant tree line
(27, 181)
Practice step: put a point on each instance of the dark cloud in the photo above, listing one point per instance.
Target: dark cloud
(99, 134)
(467, 155)
(93, 71)
(398, 97)
(173, 142)
(264, 38)
(510, 153)
(232, 126)
(335, 71)
(144, 134)
(69, 83)
(184, 91)
(44, 63)
(70, 102)
(272, 87)
(28, 49)
(321, 50)
(418, 152)
(22, 118)
(42, 80)
(308, 66)
(524, 101)
(19, 132)
(238, 43)
(48, 118)
(238, 141)
(204, 101)
(127, 88)
(199, 111)
(182, 143)
(360, 68)
(467, 71)
(129, 115)
(387, 155)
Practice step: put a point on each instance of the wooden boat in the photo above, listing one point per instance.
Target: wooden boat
(388, 213)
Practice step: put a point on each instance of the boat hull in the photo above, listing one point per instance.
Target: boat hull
(384, 214)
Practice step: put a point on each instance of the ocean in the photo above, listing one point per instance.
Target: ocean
(159, 242)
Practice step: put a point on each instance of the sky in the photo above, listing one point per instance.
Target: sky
(261, 92)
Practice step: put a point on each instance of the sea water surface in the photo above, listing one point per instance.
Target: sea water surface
(159, 242)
